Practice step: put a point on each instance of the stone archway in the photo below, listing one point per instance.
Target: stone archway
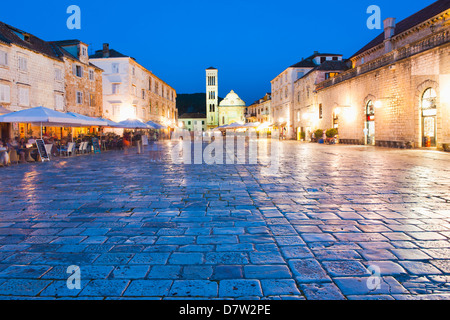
(419, 115)
(369, 120)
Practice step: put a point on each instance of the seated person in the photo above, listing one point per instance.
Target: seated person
(4, 157)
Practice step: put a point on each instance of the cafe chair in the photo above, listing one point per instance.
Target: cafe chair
(48, 148)
(69, 150)
(80, 148)
(13, 157)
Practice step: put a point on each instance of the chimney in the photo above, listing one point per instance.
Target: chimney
(106, 50)
(389, 31)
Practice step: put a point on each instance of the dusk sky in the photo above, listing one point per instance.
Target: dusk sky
(249, 41)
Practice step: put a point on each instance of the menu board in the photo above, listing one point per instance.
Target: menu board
(42, 151)
(96, 145)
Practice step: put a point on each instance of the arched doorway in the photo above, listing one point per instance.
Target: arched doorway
(370, 123)
(429, 112)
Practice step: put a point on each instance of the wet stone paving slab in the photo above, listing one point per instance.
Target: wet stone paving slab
(334, 222)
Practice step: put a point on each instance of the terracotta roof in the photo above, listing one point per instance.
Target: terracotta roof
(419, 17)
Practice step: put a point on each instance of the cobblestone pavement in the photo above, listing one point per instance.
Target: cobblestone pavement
(163, 231)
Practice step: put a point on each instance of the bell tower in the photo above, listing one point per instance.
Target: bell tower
(212, 98)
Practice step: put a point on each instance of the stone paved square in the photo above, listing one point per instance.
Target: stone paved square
(317, 229)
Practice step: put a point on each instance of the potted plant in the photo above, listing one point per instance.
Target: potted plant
(318, 135)
(331, 135)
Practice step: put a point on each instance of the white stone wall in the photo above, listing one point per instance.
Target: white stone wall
(39, 78)
(157, 104)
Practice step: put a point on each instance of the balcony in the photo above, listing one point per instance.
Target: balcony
(407, 51)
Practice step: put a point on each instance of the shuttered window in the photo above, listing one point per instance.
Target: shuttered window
(59, 102)
(23, 64)
(24, 97)
(5, 93)
(3, 58)
(79, 97)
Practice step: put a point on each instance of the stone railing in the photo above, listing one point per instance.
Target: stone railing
(407, 51)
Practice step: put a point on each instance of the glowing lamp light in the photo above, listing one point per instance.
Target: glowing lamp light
(337, 111)
(306, 116)
(127, 112)
(350, 114)
(378, 104)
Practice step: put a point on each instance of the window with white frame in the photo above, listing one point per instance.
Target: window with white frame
(116, 109)
(23, 63)
(79, 97)
(5, 92)
(91, 75)
(84, 51)
(78, 70)
(58, 74)
(24, 97)
(115, 88)
(3, 58)
(59, 102)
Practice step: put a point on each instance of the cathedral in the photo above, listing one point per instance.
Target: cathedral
(230, 110)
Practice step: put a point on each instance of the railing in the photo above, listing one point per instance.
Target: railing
(407, 51)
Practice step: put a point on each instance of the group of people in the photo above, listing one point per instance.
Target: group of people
(26, 147)
(20, 145)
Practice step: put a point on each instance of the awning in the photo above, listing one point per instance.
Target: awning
(109, 122)
(156, 126)
(252, 125)
(88, 121)
(41, 115)
(133, 124)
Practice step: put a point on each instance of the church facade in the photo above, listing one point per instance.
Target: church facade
(231, 109)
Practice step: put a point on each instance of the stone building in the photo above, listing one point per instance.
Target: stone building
(31, 75)
(212, 97)
(193, 122)
(307, 112)
(132, 91)
(397, 92)
(83, 80)
(260, 111)
(231, 109)
(283, 90)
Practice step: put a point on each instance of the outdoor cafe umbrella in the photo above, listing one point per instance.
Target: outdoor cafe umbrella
(133, 124)
(88, 121)
(41, 115)
(234, 125)
(155, 125)
(110, 123)
(252, 125)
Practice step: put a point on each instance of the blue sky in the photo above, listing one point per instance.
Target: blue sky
(249, 41)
